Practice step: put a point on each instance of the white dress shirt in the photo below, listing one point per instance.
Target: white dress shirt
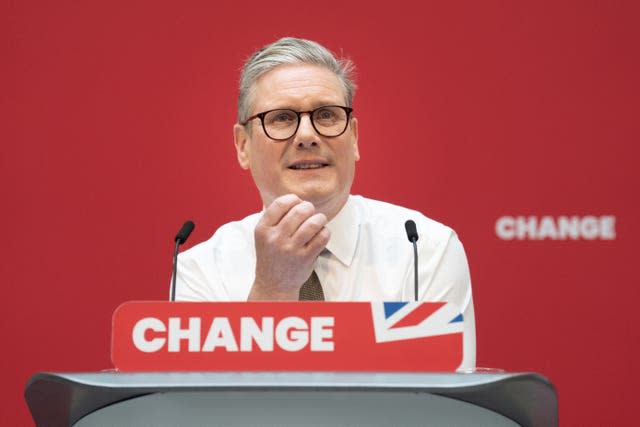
(368, 258)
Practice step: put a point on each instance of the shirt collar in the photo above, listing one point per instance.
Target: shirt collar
(344, 227)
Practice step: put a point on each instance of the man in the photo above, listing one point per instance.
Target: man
(297, 136)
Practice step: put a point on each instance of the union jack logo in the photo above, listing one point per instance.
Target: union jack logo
(396, 321)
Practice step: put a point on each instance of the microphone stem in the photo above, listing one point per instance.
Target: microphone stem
(415, 269)
(175, 271)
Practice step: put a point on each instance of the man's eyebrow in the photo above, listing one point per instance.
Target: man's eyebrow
(315, 105)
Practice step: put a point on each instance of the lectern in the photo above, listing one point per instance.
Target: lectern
(289, 364)
(291, 399)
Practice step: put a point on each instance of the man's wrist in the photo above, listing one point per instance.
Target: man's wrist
(264, 292)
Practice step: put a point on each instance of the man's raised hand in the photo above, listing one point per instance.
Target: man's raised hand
(288, 238)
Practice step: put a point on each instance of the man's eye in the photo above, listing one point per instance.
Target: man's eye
(325, 115)
(283, 117)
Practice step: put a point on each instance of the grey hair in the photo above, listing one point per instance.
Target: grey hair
(290, 50)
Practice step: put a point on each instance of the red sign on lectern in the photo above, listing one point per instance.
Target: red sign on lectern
(287, 336)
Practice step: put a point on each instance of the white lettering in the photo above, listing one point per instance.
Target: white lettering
(526, 227)
(608, 227)
(262, 335)
(547, 228)
(191, 334)
(321, 329)
(292, 334)
(505, 228)
(561, 228)
(589, 227)
(569, 227)
(139, 331)
(220, 335)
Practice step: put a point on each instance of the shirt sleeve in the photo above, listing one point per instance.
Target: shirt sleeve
(221, 268)
(198, 278)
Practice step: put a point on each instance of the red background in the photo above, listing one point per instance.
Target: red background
(116, 127)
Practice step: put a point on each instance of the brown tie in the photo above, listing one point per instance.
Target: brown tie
(311, 289)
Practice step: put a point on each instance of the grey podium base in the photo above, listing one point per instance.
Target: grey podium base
(291, 399)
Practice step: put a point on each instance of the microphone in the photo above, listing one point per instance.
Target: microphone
(412, 232)
(180, 238)
(184, 232)
(412, 235)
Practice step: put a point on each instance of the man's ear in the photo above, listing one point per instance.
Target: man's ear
(354, 131)
(241, 140)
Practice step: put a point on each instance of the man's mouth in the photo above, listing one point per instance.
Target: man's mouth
(301, 166)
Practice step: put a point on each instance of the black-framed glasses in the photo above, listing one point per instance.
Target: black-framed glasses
(282, 124)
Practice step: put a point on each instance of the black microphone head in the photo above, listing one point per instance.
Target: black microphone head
(184, 232)
(412, 233)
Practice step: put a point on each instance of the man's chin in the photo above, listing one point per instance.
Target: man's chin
(314, 194)
(327, 202)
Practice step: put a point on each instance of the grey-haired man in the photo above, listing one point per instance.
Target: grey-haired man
(297, 135)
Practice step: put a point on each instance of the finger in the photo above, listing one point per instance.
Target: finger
(274, 213)
(319, 242)
(308, 229)
(293, 219)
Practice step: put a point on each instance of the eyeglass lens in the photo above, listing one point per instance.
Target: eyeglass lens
(327, 121)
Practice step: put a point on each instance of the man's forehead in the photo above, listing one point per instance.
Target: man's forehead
(288, 86)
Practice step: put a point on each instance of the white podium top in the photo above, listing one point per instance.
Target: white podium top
(527, 399)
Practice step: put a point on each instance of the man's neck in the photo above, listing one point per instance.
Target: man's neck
(332, 207)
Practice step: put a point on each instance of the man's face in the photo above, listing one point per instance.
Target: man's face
(316, 168)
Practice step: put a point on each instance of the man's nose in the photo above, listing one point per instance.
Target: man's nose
(306, 136)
